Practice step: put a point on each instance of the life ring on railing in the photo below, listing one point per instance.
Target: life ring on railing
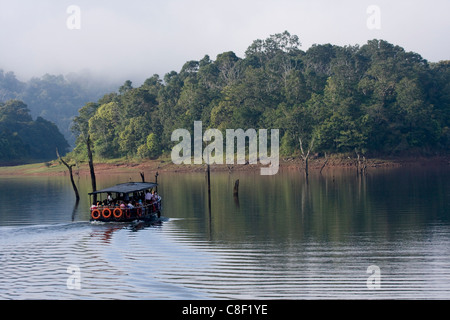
(117, 213)
(127, 213)
(106, 213)
(139, 212)
(95, 214)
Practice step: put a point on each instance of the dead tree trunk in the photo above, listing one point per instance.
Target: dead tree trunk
(236, 188)
(325, 163)
(75, 189)
(358, 163)
(305, 156)
(361, 166)
(91, 167)
(365, 165)
(236, 193)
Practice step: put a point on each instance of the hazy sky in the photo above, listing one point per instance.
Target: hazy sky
(136, 39)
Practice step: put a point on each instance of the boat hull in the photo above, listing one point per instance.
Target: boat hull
(116, 214)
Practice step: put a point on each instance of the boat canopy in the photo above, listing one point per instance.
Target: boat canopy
(127, 187)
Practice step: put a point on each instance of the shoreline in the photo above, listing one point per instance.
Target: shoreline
(54, 168)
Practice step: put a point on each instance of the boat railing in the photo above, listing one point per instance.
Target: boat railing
(153, 206)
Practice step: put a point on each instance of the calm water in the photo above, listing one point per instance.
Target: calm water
(283, 238)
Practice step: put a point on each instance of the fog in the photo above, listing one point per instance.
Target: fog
(119, 40)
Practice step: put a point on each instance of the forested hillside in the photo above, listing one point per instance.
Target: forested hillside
(55, 98)
(376, 99)
(23, 139)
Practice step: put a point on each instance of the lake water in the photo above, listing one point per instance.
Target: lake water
(285, 237)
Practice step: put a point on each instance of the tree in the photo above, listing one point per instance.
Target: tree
(12, 147)
(127, 86)
(151, 148)
(153, 145)
(229, 69)
(81, 128)
(15, 111)
(133, 135)
(103, 128)
(25, 139)
(69, 167)
(415, 115)
(43, 137)
(305, 155)
(376, 99)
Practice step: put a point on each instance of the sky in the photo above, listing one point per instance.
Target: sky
(120, 40)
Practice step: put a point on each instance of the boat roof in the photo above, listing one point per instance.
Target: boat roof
(127, 187)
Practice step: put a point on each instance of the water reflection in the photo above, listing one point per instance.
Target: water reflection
(330, 206)
(283, 237)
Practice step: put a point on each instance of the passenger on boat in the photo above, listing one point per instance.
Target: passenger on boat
(157, 199)
(109, 198)
(148, 197)
(94, 206)
(122, 205)
(156, 196)
(130, 205)
(153, 196)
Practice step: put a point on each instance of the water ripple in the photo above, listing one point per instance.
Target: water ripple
(167, 262)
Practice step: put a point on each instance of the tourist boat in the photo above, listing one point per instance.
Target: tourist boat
(125, 202)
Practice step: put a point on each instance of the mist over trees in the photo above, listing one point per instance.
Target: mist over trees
(56, 98)
(53, 101)
(376, 99)
(23, 139)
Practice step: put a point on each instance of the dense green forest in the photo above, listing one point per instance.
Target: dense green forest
(376, 99)
(56, 98)
(23, 139)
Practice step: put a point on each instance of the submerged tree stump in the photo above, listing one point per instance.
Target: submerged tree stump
(236, 188)
(236, 193)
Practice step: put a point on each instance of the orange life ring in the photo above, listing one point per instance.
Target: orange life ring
(127, 213)
(117, 213)
(106, 213)
(95, 214)
(139, 212)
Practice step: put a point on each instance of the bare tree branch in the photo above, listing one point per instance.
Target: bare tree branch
(75, 189)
